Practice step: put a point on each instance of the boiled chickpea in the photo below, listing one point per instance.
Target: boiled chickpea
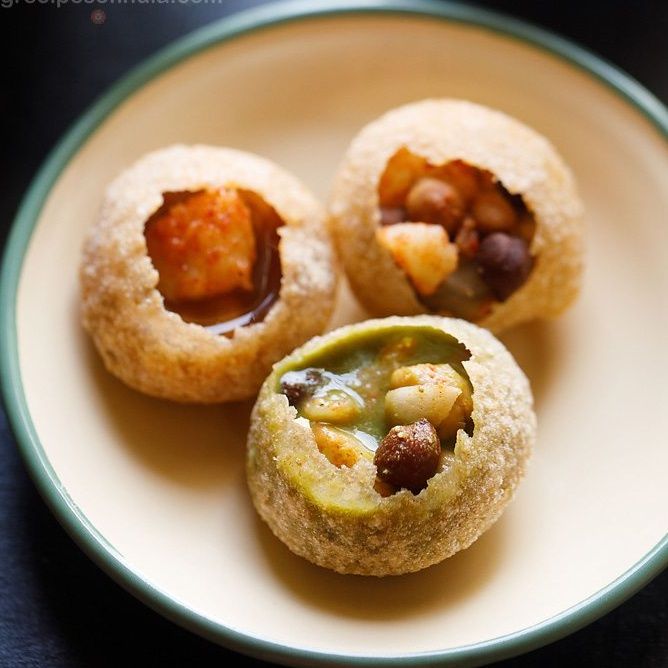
(436, 202)
(505, 263)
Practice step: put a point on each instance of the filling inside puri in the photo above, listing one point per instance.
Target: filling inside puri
(396, 397)
(216, 253)
(459, 236)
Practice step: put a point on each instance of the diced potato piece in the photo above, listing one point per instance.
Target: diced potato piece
(423, 374)
(423, 251)
(334, 406)
(202, 245)
(340, 447)
(402, 171)
(432, 401)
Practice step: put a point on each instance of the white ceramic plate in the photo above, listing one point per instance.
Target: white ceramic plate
(155, 492)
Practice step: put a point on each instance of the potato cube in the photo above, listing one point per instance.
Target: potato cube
(423, 251)
(432, 401)
(334, 406)
(339, 446)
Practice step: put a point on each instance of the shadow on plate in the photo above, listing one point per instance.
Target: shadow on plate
(393, 597)
(534, 347)
(194, 446)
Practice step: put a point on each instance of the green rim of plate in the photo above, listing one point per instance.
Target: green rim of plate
(45, 478)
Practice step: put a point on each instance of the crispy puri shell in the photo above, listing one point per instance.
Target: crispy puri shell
(153, 349)
(333, 516)
(440, 131)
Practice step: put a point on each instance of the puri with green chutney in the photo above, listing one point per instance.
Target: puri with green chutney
(386, 446)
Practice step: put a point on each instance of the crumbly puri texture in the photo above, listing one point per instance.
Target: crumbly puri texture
(333, 516)
(441, 131)
(153, 349)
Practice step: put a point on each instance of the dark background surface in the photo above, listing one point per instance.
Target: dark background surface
(56, 608)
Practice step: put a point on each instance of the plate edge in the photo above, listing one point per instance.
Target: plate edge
(75, 522)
